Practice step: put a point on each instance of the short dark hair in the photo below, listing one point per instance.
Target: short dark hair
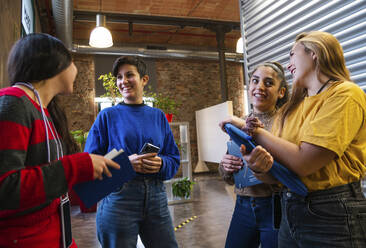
(37, 57)
(129, 60)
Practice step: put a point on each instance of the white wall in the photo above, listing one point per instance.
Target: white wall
(211, 141)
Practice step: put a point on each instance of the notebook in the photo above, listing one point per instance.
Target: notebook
(93, 191)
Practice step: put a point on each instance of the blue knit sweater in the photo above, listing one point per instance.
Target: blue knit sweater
(129, 127)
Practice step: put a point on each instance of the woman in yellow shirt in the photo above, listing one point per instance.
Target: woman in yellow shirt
(321, 136)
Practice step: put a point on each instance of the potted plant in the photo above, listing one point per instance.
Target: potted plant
(183, 188)
(80, 138)
(109, 84)
(168, 105)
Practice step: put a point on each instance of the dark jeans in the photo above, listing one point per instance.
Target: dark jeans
(333, 218)
(251, 224)
(140, 207)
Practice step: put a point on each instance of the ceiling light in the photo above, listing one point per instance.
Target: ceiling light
(239, 45)
(100, 37)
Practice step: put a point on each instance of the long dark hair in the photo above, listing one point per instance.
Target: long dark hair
(37, 57)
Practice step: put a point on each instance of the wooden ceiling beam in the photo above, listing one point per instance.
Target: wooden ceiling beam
(156, 20)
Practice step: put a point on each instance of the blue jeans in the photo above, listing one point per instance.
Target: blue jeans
(334, 217)
(139, 207)
(251, 224)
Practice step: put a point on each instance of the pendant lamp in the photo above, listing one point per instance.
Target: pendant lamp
(100, 37)
(239, 45)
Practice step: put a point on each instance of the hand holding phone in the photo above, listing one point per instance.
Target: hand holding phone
(146, 163)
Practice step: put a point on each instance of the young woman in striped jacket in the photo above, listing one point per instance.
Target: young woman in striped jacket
(35, 172)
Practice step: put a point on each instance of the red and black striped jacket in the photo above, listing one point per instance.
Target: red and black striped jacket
(30, 187)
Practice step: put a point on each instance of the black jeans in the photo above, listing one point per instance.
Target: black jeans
(333, 218)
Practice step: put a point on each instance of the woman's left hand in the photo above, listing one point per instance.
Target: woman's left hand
(259, 160)
(152, 164)
(251, 125)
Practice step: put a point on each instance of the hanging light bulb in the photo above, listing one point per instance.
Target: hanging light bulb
(239, 45)
(100, 37)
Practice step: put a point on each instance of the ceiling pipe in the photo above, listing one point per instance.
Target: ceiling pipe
(152, 53)
(156, 20)
(63, 14)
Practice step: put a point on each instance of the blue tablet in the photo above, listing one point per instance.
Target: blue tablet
(284, 175)
(244, 177)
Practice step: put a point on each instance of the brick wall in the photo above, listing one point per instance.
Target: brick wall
(79, 107)
(235, 82)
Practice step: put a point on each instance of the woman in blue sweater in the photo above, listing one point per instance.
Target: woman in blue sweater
(140, 206)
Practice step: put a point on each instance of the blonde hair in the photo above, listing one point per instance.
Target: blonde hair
(330, 62)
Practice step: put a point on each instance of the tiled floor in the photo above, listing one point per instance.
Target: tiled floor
(212, 205)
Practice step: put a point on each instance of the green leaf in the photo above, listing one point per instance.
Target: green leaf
(167, 104)
(110, 86)
(182, 188)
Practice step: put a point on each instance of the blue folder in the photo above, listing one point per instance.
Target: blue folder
(244, 177)
(285, 176)
(93, 191)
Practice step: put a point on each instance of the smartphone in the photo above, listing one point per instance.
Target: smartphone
(66, 222)
(149, 148)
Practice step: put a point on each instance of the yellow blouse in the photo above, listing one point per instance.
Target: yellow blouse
(335, 120)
